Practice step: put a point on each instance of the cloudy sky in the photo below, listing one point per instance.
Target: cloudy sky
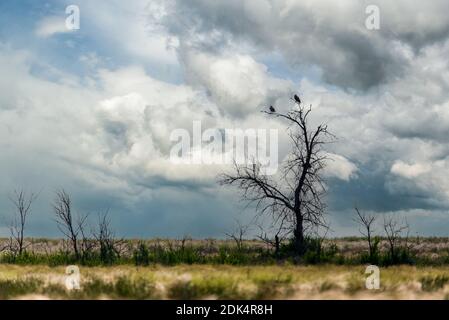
(92, 110)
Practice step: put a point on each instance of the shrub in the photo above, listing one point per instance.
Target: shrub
(222, 288)
(138, 288)
(13, 288)
(142, 255)
(401, 255)
(373, 257)
(433, 283)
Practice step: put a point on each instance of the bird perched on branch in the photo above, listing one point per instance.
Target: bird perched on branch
(272, 109)
(297, 99)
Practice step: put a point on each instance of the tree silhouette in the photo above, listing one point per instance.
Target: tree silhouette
(296, 197)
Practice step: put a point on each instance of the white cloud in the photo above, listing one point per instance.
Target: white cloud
(236, 83)
(127, 27)
(340, 167)
(410, 170)
(50, 26)
(427, 180)
(113, 133)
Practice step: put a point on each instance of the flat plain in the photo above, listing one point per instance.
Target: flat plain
(342, 278)
(223, 282)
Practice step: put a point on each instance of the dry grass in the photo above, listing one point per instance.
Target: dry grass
(224, 282)
(205, 281)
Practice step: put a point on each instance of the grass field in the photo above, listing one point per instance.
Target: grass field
(219, 269)
(224, 282)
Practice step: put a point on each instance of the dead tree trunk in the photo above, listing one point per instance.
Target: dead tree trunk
(299, 234)
(22, 204)
(366, 222)
(65, 220)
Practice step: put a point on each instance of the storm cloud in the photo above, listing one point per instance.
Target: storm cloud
(92, 110)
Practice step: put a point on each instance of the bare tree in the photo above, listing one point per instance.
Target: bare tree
(22, 205)
(238, 235)
(299, 195)
(279, 231)
(65, 219)
(106, 239)
(366, 228)
(394, 231)
(86, 243)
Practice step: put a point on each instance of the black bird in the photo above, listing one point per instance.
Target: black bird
(272, 109)
(297, 99)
